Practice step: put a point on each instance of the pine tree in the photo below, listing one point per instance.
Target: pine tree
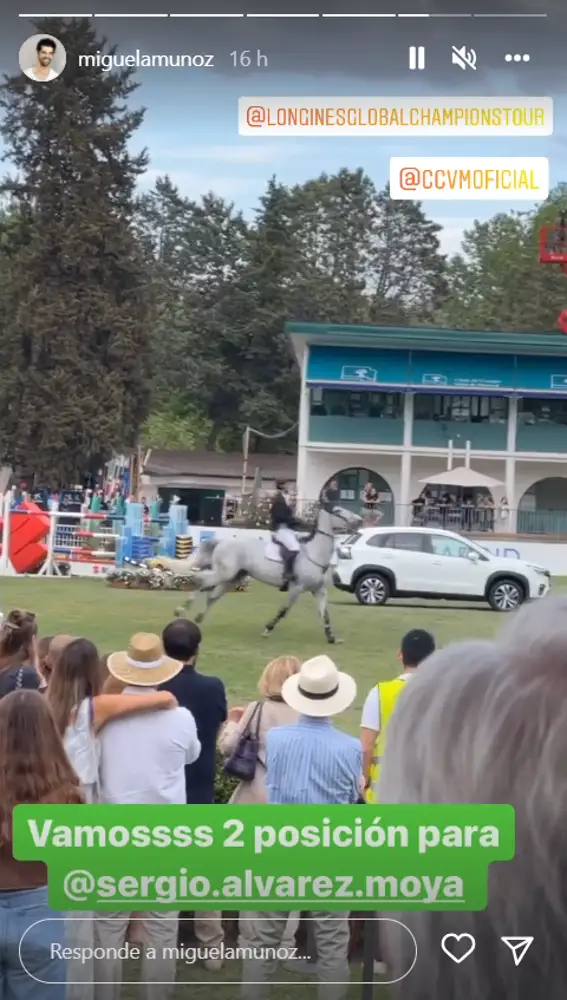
(75, 319)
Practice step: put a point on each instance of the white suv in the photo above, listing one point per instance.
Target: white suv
(379, 563)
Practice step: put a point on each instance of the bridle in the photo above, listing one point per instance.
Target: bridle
(334, 512)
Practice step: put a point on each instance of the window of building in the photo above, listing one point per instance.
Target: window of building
(347, 403)
(542, 411)
(461, 409)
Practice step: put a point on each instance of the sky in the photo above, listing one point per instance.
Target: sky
(191, 130)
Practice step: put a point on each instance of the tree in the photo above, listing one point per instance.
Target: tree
(75, 312)
(330, 250)
(497, 282)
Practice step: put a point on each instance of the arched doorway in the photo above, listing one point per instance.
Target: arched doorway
(351, 483)
(542, 509)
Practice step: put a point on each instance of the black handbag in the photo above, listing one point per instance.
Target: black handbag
(244, 759)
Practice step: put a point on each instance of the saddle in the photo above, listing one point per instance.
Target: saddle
(275, 551)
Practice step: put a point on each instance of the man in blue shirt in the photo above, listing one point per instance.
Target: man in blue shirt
(308, 763)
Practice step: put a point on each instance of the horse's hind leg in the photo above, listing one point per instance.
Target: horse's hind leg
(208, 581)
(293, 594)
(322, 606)
(212, 596)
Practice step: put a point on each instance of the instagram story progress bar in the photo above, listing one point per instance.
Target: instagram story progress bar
(417, 57)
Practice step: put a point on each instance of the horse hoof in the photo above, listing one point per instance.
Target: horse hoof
(179, 612)
(266, 633)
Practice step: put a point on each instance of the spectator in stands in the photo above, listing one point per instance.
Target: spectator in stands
(205, 697)
(309, 762)
(370, 496)
(142, 760)
(33, 769)
(19, 662)
(487, 722)
(260, 716)
(415, 647)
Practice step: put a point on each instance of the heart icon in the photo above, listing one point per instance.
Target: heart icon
(453, 945)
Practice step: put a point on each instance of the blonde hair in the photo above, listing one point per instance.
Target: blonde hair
(273, 676)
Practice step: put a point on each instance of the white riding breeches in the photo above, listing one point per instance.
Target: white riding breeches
(287, 537)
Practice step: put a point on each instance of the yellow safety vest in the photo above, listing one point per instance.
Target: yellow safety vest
(388, 694)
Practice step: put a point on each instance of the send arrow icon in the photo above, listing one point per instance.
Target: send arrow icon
(518, 946)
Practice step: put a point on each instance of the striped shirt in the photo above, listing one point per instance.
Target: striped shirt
(311, 762)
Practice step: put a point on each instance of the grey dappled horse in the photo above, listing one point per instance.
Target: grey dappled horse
(220, 563)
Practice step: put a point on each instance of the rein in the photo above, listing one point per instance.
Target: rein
(326, 534)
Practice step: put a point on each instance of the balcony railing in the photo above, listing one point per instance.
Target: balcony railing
(461, 518)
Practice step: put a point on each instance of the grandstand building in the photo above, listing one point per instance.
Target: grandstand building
(395, 406)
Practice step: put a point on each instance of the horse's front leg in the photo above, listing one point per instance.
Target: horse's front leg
(292, 595)
(323, 608)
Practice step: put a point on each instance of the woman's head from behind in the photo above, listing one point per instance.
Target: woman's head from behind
(76, 676)
(275, 673)
(33, 764)
(18, 637)
(487, 723)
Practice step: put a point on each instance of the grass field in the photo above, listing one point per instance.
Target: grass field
(233, 646)
(234, 649)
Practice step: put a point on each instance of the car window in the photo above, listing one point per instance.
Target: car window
(407, 541)
(378, 541)
(443, 546)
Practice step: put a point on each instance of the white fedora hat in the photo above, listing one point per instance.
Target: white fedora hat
(144, 663)
(319, 689)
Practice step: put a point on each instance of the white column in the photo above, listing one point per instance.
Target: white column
(303, 433)
(513, 500)
(512, 422)
(404, 499)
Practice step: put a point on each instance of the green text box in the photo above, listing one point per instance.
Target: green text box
(408, 857)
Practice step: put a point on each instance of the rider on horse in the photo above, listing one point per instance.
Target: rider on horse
(283, 524)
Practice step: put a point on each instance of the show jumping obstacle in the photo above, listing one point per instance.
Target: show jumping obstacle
(60, 543)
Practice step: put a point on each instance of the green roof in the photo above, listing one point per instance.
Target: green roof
(431, 338)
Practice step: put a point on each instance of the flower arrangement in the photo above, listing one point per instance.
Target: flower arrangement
(148, 578)
(140, 577)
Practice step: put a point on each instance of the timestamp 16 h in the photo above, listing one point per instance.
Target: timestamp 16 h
(249, 58)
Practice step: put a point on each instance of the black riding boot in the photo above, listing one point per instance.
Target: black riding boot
(288, 577)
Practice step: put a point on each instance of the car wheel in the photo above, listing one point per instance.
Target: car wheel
(372, 589)
(506, 595)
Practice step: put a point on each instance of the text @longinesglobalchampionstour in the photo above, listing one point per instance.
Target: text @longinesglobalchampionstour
(147, 60)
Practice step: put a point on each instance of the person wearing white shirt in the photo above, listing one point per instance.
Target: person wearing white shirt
(142, 761)
(42, 71)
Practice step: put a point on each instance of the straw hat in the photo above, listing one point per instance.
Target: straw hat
(319, 689)
(144, 663)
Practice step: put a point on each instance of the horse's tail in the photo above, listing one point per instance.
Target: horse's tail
(204, 554)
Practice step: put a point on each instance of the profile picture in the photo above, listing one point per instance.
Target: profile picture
(42, 58)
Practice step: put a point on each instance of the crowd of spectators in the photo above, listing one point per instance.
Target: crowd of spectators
(475, 722)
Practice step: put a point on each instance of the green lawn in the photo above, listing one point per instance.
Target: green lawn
(234, 649)
(233, 646)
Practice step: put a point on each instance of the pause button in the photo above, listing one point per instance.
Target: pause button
(417, 57)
